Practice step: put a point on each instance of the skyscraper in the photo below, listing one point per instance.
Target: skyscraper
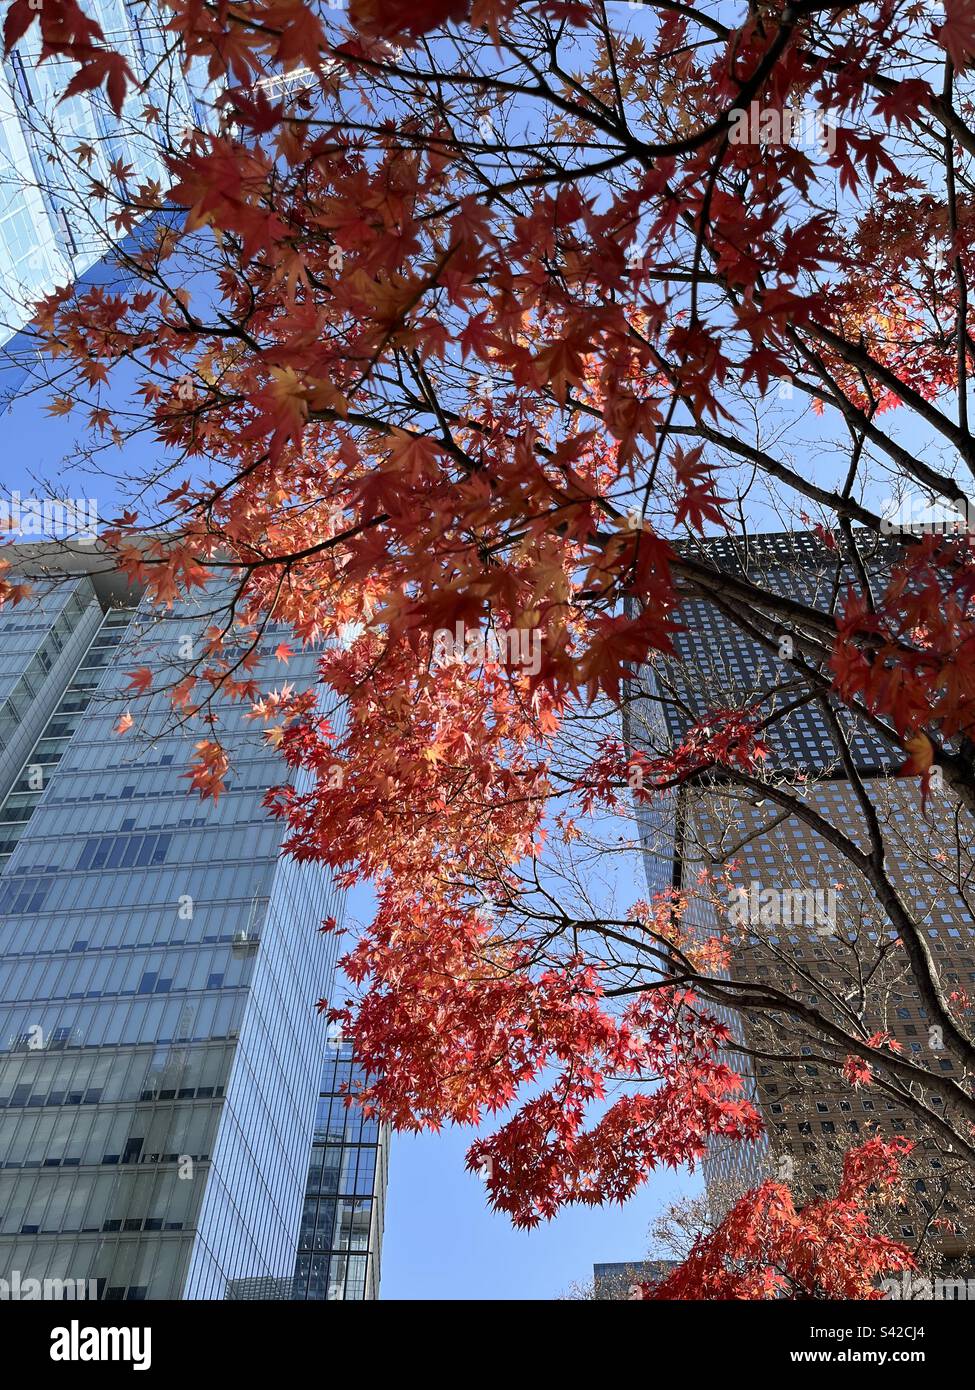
(54, 230)
(797, 916)
(160, 1053)
(340, 1241)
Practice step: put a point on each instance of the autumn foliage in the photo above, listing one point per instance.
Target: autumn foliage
(767, 1248)
(481, 309)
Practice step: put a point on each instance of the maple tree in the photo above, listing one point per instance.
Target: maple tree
(766, 1247)
(476, 313)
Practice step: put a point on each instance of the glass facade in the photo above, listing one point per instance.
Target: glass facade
(160, 1050)
(342, 1221)
(52, 228)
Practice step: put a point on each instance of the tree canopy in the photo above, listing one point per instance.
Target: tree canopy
(482, 318)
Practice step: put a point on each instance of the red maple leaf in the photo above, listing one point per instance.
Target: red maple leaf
(957, 34)
(396, 18)
(66, 31)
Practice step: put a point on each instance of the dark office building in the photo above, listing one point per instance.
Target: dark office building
(812, 1114)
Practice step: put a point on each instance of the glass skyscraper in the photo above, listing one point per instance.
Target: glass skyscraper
(342, 1221)
(162, 1095)
(54, 229)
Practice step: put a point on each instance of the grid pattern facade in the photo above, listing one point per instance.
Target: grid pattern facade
(339, 1244)
(811, 1118)
(160, 1052)
(721, 665)
(45, 239)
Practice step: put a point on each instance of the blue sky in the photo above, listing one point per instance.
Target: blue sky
(442, 1241)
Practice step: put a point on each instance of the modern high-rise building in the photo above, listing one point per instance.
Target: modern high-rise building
(165, 1080)
(340, 1241)
(822, 929)
(44, 241)
(54, 230)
